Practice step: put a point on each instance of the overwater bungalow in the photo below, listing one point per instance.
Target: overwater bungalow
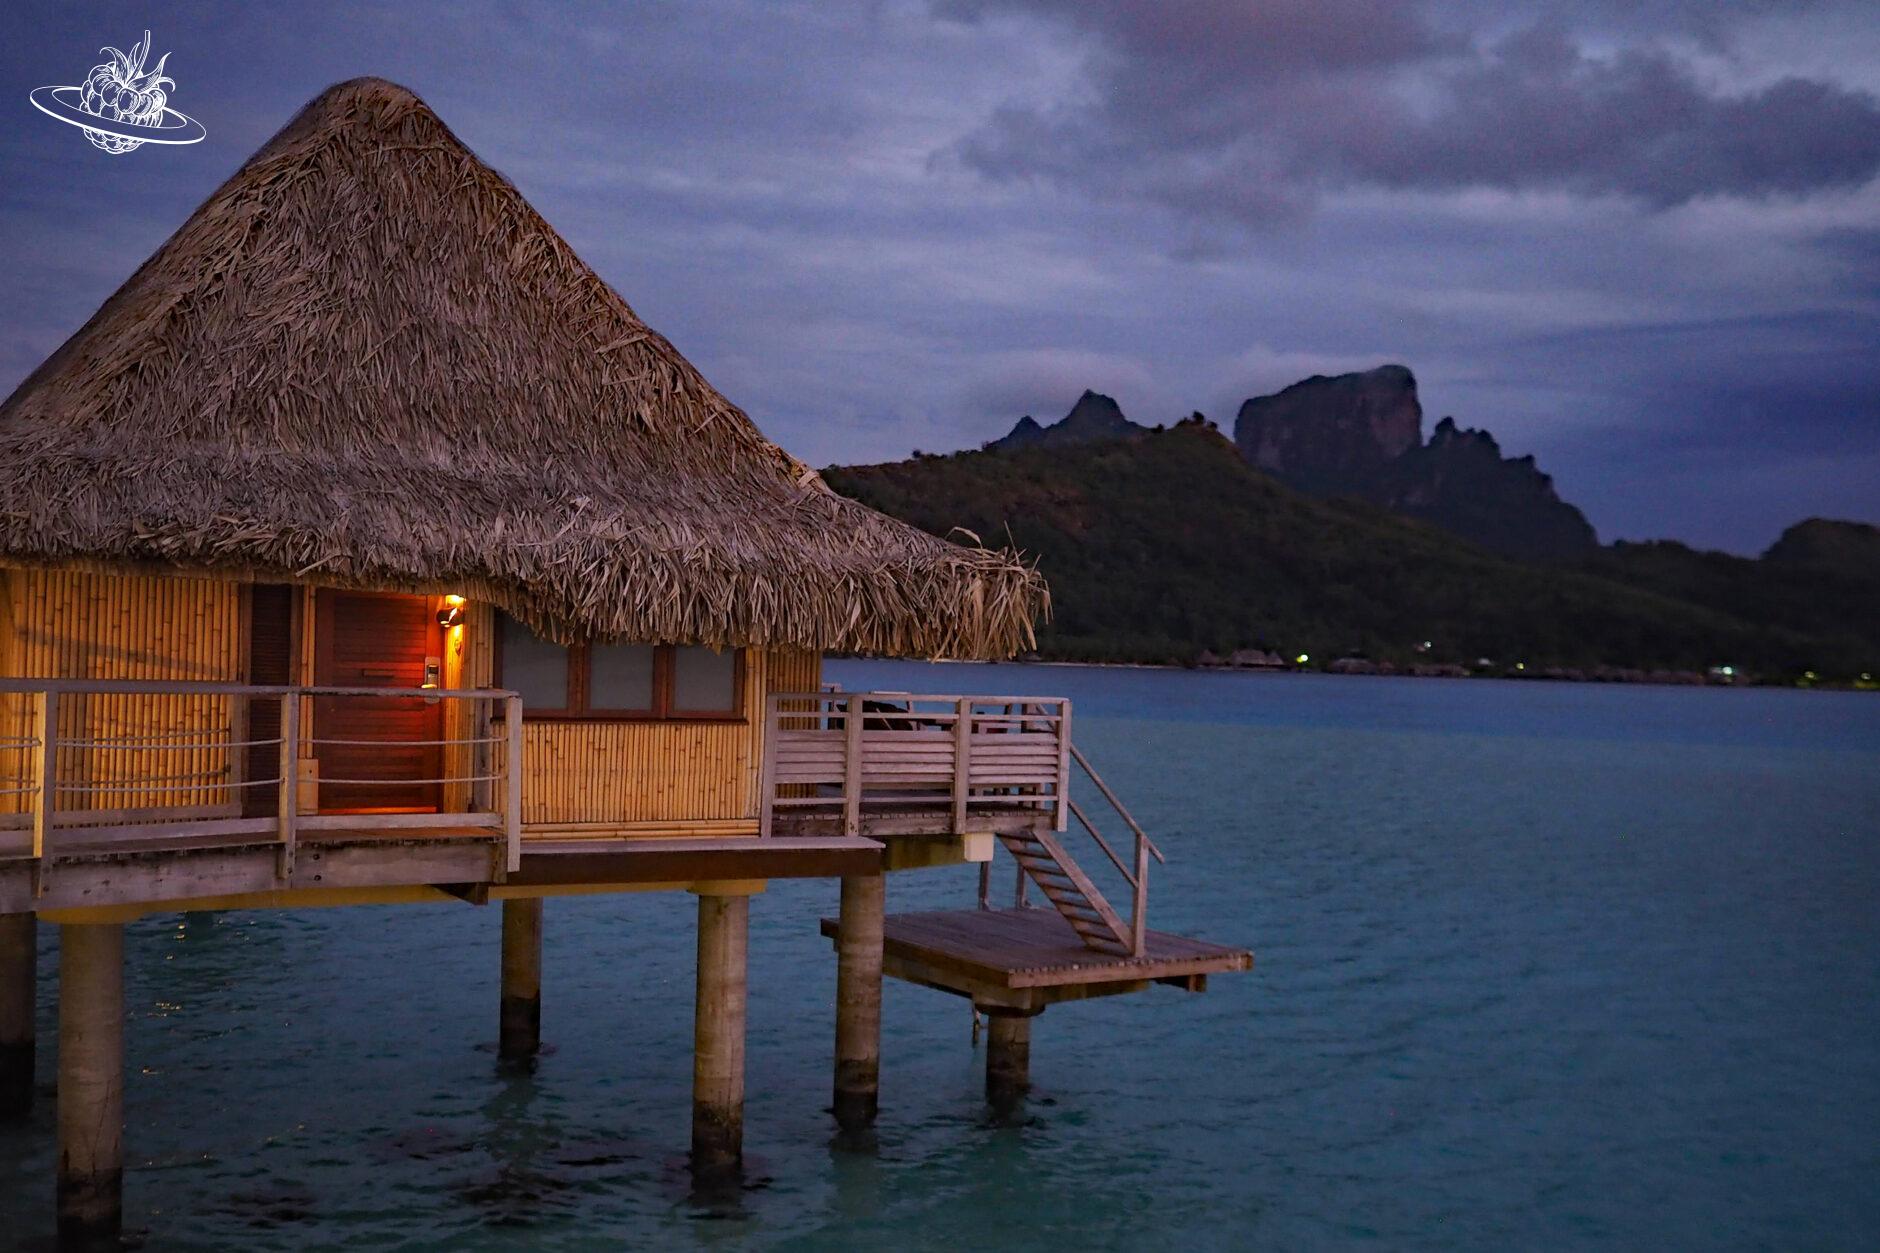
(366, 547)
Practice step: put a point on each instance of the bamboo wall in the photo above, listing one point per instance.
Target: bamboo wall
(795, 670)
(580, 778)
(73, 625)
(671, 779)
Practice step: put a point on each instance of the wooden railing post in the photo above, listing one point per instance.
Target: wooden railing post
(45, 778)
(290, 782)
(962, 762)
(767, 779)
(482, 756)
(852, 766)
(241, 715)
(512, 782)
(1063, 815)
(1139, 918)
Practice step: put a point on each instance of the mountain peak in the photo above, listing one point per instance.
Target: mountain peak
(1361, 435)
(1094, 417)
(1829, 544)
(1322, 433)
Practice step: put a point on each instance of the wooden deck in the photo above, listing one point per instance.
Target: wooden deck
(154, 873)
(1027, 959)
(96, 815)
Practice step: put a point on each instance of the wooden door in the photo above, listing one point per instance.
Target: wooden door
(369, 640)
(270, 663)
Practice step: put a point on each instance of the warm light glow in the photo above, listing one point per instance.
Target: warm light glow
(1302, 659)
(454, 601)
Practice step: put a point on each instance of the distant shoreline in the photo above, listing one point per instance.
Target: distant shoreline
(1648, 678)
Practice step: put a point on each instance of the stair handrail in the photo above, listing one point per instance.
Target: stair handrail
(1077, 755)
(1077, 812)
(1137, 878)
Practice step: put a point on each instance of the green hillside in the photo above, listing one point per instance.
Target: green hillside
(1835, 606)
(1161, 546)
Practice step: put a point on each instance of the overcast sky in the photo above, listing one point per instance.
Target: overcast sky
(1637, 238)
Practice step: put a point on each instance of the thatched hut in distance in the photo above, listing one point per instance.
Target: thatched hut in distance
(366, 546)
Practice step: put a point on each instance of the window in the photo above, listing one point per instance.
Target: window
(623, 681)
(533, 666)
(703, 681)
(621, 678)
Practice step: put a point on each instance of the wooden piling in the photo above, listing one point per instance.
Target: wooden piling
(718, 1035)
(19, 950)
(1008, 1058)
(521, 1026)
(91, 1084)
(858, 1001)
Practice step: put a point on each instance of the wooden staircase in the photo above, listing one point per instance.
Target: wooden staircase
(1070, 890)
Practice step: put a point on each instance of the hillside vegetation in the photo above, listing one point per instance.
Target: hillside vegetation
(1162, 545)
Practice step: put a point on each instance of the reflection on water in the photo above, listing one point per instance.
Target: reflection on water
(1536, 966)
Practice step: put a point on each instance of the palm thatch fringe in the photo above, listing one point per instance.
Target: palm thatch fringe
(367, 362)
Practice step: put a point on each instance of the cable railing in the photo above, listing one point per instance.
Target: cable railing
(81, 770)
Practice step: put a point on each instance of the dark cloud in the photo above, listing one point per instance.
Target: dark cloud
(1254, 112)
(759, 180)
(1188, 47)
(1536, 111)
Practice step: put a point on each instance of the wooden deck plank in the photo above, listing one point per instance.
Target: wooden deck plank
(147, 845)
(157, 877)
(562, 862)
(1036, 948)
(97, 856)
(353, 835)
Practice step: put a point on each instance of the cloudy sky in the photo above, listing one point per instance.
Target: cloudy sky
(1637, 238)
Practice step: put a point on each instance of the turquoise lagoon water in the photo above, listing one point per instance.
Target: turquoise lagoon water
(1538, 966)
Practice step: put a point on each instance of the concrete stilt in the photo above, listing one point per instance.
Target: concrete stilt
(858, 1002)
(19, 951)
(1008, 1059)
(521, 1034)
(91, 1084)
(718, 1035)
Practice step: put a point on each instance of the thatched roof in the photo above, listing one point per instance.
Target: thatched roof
(367, 362)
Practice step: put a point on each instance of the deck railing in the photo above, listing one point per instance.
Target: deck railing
(87, 763)
(844, 755)
(901, 763)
